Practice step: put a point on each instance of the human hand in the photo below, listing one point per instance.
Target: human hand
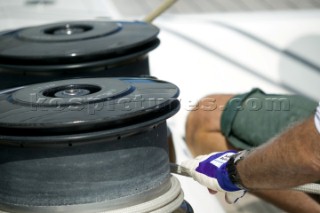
(210, 171)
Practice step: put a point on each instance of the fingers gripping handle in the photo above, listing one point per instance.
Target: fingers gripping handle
(210, 171)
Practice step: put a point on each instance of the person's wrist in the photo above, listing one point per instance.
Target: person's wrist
(232, 170)
(225, 181)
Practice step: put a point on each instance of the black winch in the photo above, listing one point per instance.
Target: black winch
(75, 49)
(84, 145)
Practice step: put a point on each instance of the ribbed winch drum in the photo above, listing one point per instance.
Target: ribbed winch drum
(85, 145)
(75, 49)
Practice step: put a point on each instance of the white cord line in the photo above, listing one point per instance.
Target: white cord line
(167, 202)
(166, 4)
(312, 188)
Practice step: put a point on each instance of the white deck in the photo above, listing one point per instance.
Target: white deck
(203, 57)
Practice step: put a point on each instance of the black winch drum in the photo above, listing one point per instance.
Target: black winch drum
(84, 145)
(75, 49)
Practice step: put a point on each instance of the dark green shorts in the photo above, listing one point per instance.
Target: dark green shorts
(253, 118)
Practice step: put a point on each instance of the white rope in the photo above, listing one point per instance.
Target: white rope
(171, 207)
(166, 4)
(312, 188)
(168, 202)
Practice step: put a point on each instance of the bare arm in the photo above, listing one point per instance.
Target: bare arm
(289, 160)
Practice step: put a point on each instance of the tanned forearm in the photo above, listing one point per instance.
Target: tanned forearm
(289, 160)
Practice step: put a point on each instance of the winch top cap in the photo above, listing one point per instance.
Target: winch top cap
(75, 42)
(86, 104)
